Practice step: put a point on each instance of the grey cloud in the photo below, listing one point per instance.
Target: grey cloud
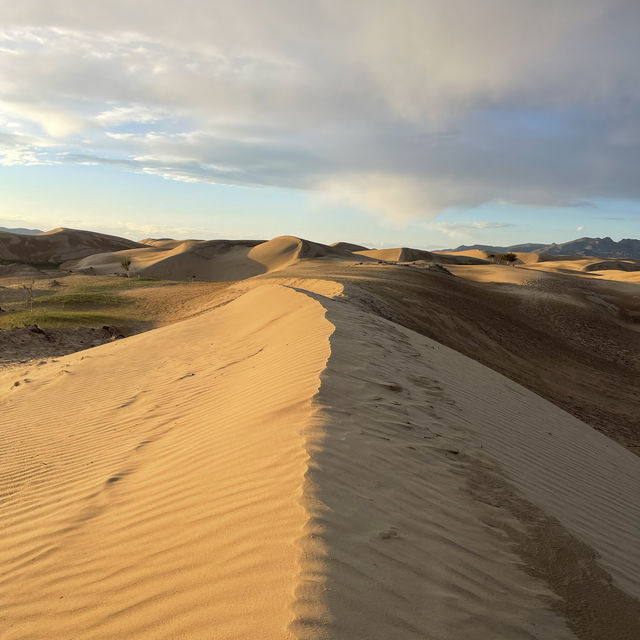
(402, 109)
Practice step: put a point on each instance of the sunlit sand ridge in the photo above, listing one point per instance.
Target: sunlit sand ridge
(153, 486)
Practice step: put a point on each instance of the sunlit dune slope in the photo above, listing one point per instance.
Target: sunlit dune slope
(291, 465)
(153, 486)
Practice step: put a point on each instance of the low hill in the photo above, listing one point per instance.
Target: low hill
(21, 231)
(58, 245)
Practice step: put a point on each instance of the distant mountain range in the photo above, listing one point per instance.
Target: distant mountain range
(528, 247)
(597, 247)
(21, 231)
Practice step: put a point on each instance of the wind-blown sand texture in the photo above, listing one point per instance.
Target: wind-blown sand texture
(293, 465)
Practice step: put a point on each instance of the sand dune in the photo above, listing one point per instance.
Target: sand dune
(532, 271)
(614, 265)
(348, 246)
(165, 243)
(291, 465)
(166, 504)
(608, 269)
(406, 254)
(213, 260)
(523, 257)
(498, 274)
(58, 245)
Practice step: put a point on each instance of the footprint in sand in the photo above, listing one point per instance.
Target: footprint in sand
(388, 534)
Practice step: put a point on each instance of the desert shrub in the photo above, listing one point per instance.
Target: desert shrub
(125, 263)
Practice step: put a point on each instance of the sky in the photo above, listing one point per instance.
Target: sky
(427, 123)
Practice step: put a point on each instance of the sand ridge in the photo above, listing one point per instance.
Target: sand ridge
(149, 509)
(291, 464)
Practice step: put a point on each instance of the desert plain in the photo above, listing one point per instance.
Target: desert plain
(284, 439)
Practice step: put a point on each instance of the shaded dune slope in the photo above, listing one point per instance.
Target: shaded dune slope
(582, 333)
(440, 451)
(614, 265)
(294, 466)
(213, 260)
(59, 245)
(349, 246)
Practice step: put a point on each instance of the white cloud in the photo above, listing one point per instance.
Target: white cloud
(129, 114)
(18, 156)
(580, 228)
(402, 109)
(468, 229)
(55, 122)
(391, 196)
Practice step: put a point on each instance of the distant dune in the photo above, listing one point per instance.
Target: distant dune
(524, 257)
(622, 270)
(615, 265)
(226, 260)
(406, 254)
(293, 465)
(348, 246)
(58, 245)
(165, 243)
(215, 260)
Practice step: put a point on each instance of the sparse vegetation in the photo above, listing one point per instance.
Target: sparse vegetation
(81, 301)
(29, 289)
(509, 258)
(125, 263)
(55, 319)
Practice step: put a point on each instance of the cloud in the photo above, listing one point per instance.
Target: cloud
(580, 228)
(131, 114)
(400, 109)
(462, 229)
(391, 196)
